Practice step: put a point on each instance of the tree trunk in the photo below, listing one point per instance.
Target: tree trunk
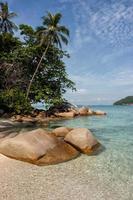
(32, 79)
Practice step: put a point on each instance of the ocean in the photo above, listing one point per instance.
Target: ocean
(112, 168)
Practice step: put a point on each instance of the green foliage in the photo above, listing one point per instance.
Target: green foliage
(8, 43)
(15, 100)
(6, 25)
(18, 61)
(51, 30)
(126, 101)
(51, 33)
(28, 34)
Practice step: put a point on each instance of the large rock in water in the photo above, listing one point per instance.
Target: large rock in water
(99, 112)
(83, 111)
(82, 139)
(38, 147)
(70, 114)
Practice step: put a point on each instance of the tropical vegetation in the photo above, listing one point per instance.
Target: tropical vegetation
(125, 101)
(32, 67)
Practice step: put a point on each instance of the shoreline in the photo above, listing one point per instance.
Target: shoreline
(77, 179)
(40, 117)
(102, 177)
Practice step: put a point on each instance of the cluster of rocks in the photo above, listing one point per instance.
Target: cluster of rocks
(35, 117)
(41, 147)
(44, 116)
(84, 111)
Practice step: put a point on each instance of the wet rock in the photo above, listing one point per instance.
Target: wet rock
(82, 139)
(41, 115)
(60, 153)
(28, 119)
(17, 118)
(75, 111)
(70, 114)
(99, 112)
(38, 147)
(61, 131)
(61, 108)
(90, 112)
(83, 111)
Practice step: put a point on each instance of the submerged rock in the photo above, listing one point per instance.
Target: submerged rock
(38, 147)
(82, 139)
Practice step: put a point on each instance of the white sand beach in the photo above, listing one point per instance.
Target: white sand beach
(79, 179)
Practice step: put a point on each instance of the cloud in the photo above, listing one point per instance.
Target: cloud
(102, 89)
(123, 78)
(111, 22)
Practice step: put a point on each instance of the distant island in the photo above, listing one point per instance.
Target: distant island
(125, 101)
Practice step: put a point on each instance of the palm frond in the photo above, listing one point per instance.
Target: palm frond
(47, 20)
(5, 24)
(57, 18)
(64, 30)
(63, 38)
(57, 41)
(11, 15)
(51, 28)
(4, 7)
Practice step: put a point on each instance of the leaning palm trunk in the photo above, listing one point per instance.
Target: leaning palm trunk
(38, 66)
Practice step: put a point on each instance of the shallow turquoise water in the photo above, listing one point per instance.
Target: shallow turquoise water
(115, 131)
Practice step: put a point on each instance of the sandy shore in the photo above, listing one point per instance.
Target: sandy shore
(78, 179)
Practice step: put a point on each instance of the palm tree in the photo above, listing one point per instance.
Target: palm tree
(6, 25)
(51, 33)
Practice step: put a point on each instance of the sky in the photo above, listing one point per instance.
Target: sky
(100, 46)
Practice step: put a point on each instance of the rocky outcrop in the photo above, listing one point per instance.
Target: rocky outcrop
(83, 140)
(64, 111)
(21, 118)
(37, 147)
(61, 131)
(74, 110)
(83, 111)
(70, 114)
(90, 112)
(61, 108)
(99, 112)
(41, 115)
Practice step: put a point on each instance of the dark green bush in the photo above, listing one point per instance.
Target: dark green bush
(15, 101)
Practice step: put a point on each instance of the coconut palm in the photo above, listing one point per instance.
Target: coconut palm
(51, 33)
(6, 25)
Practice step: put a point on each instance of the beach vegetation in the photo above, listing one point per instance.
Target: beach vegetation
(32, 67)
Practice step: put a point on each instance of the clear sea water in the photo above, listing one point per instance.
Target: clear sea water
(114, 166)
